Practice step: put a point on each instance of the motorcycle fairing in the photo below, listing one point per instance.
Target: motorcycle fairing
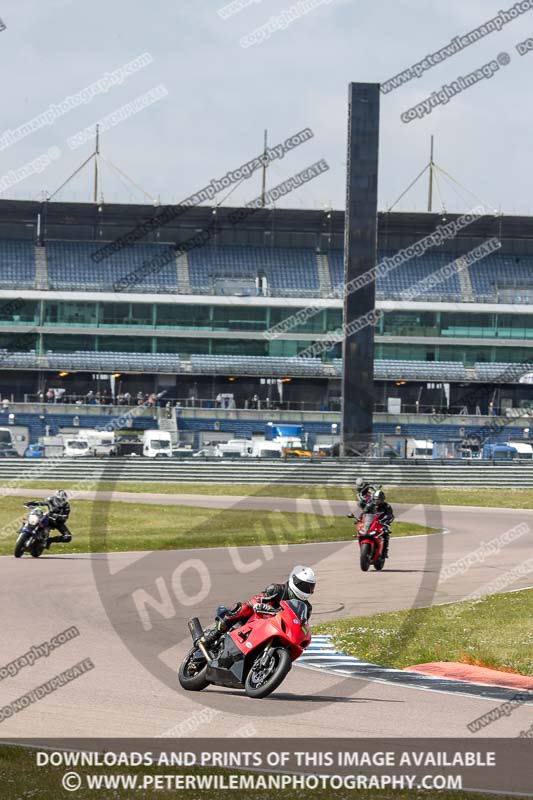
(227, 669)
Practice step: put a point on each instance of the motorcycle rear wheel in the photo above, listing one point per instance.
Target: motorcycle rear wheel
(257, 685)
(190, 680)
(36, 550)
(379, 564)
(365, 557)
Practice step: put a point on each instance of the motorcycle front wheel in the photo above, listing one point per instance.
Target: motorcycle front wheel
(262, 680)
(20, 545)
(191, 674)
(365, 556)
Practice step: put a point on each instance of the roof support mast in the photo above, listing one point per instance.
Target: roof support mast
(431, 167)
(263, 184)
(96, 154)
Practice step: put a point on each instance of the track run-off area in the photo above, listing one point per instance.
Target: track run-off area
(131, 610)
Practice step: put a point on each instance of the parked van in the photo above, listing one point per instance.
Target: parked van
(101, 443)
(157, 444)
(235, 448)
(75, 447)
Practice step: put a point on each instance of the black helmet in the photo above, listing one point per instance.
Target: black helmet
(378, 496)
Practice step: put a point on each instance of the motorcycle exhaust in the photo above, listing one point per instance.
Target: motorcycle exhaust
(196, 629)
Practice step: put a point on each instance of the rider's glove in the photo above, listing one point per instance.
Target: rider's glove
(263, 608)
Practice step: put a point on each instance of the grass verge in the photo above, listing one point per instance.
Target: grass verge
(102, 526)
(493, 631)
(21, 778)
(412, 495)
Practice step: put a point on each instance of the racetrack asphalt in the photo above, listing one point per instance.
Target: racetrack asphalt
(129, 692)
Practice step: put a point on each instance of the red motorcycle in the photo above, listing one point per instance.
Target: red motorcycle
(370, 538)
(255, 656)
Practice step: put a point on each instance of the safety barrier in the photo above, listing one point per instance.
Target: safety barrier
(334, 472)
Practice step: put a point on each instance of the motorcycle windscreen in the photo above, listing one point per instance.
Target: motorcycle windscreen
(299, 608)
(368, 519)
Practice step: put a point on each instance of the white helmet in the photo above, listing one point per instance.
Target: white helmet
(302, 582)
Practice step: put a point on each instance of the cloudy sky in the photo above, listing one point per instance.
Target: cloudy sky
(218, 96)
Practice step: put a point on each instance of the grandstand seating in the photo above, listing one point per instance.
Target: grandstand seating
(502, 372)
(501, 271)
(263, 366)
(17, 264)
(389, 369)
(405, 277)
(70, 266)
(256, 365)
(133, 362)
(288, 270)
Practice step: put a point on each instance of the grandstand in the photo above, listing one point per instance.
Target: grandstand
(192, 322)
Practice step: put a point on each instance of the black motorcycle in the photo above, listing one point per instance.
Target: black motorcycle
(35, 531)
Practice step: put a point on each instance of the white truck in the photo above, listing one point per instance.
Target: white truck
(157, 444)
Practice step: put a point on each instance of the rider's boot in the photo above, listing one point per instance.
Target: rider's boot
(211, 637)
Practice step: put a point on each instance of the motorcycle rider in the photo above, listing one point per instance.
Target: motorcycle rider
(378, 505)
(363, 493)
(300, 585)
(364, 490)
(58, 513)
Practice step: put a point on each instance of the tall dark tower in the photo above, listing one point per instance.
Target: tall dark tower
(360, 254)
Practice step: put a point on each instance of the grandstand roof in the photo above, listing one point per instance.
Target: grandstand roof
(104, 222)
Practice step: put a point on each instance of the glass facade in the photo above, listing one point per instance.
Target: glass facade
(457, 324)
(150, 320)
